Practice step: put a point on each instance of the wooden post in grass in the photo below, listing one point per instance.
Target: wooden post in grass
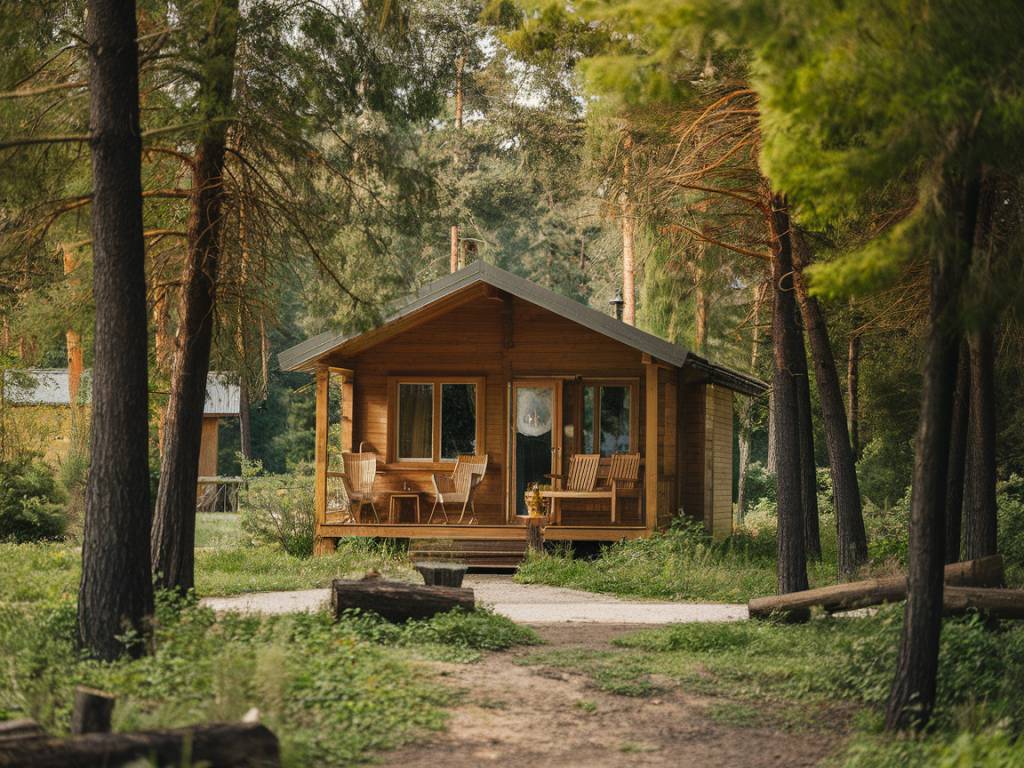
(535, 533)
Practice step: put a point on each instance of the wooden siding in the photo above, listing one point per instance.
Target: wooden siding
(692, 422)
(718, 462)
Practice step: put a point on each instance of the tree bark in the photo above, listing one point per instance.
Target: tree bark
(628, 238)
(116, 594)
(957, 455)
(808, 470)
(455, 256)
(173, 539)
(853, 392)
(912, 696)
(220, 745)
(980, 489)
(746, 408)
(851, 536)
(792, 559)
(244, 418)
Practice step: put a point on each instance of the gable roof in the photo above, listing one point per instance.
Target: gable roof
(49, 386)
(302, 356)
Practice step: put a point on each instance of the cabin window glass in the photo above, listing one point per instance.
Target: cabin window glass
(606, 418)
(458, 420)
(415, 421)
(615, 420)
(587, 428)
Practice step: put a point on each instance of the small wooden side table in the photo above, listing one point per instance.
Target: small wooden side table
(394, 508)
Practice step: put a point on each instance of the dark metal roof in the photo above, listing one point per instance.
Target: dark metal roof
(301, 356)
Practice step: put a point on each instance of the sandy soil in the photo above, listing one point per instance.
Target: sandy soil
(524, 716)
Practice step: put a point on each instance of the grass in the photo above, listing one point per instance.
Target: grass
(680, 564)
(225, 565)
(829, 674)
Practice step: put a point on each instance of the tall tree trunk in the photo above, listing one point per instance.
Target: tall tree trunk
(73, 341)
(912, 696)
(773, 463)
(746, 410)
(628, 237)
(805, 422)
(455, 257)
(116, 593)
(980, 490)
(853, 392)
(244, 418)
(957, 455)
(851, 537)
(792, 558)
(173, 538)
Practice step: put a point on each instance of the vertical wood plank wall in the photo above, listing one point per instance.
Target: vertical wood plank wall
(718, 462)
(208, 446)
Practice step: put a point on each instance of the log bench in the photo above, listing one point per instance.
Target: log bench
(397, 600)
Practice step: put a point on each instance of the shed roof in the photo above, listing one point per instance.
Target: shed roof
(304, 355)
(49, 386)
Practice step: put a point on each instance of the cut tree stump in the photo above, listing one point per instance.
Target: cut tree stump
(984, 572)
(92, 711)
(439, 573)
(397, 600)
(226, 745)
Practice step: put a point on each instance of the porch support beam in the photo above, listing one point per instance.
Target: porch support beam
(652, 459)
(321, 545)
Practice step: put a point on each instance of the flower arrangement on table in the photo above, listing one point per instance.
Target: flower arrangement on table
(536, 505)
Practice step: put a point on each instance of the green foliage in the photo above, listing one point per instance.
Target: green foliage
(31, 504)
(682, 563)
(333, 692)
(1010, 500)
(278, 509)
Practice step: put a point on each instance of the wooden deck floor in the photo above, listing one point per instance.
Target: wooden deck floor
(491, 532)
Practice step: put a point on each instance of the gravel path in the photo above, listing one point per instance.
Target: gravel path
(524, 603)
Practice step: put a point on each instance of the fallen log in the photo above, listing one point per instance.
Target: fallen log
(397, 600)
(226, 745)
(984, 572)
(994, 603)
(17, 730)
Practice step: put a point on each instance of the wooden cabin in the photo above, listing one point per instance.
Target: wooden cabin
(482, 362)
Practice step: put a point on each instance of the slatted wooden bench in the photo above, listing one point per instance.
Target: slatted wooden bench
(623, 481)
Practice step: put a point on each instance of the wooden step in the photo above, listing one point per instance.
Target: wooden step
(476, 553)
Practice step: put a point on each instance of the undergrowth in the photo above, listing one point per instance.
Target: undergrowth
(332, 692)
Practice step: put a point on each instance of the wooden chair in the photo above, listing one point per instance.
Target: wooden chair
(459, 487)
(623, 478)
(360, 472)
(582, 479)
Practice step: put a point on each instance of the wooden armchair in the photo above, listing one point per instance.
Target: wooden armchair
(623, 478)
(459, 487)
(360, 472)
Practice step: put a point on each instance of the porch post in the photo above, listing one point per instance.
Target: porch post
(652, 460)
(321, 545)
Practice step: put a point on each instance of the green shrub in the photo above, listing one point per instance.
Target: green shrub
(278, 509)
(31, 504)
(760, 484)
(1010, 498)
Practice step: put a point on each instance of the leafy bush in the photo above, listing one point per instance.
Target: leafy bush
(31, 504)
(760, 484)
(884, 470)
(278, 509)
(1010, 498)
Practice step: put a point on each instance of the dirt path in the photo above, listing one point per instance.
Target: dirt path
(523, 715)
(525, 603)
